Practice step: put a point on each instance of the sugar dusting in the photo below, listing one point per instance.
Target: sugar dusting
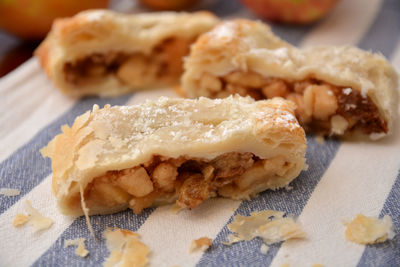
(186, 121)
(95, 15)
(226, 31)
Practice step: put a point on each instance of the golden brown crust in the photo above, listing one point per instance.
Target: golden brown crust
(101, 32)
(119, 138)
(250, 47)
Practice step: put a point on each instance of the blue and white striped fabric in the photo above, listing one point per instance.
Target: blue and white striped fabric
(343, 180)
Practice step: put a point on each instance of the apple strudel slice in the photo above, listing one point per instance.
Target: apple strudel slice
(104, 53)
(179, 150)
(337, 90)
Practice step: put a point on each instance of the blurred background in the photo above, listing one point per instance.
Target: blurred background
(24, 23)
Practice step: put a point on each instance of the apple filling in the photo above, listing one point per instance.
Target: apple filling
(189, 181)
(163, 65)
(321, 107)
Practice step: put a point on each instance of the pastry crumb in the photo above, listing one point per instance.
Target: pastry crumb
(9, 192)
(320, 139)
(34, 218)
(369, 230)
(305, 167)
(264, 249)
(270, 225)
(125, 248)
(80, 243)
(201, 244)
(317, 265)
(285, 265)
(20, 219)
(176, 208)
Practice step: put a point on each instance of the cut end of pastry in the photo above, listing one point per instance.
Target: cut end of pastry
(175, 150)
(93, 53)
(338, 90)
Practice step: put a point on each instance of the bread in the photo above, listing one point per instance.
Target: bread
(338, 90)
(100, 52)
(179, 150)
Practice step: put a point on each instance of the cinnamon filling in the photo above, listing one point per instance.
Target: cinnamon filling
(321, 107)
(162, 65)
(189, 181)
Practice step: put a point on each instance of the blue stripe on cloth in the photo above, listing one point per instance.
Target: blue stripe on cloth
(387, 253)
(57, 255)
(26, 168)
(383, 34)
(319, 157)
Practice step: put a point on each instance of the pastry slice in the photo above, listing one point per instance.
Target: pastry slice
(171, 150)
(337, 90)
(101, 52)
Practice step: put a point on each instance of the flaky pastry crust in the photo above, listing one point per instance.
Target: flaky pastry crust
(244, 46)
(98, 42)
(111, 140)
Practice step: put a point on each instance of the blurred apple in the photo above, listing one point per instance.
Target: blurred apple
(168, 4)
(32, 19)
(291, 11)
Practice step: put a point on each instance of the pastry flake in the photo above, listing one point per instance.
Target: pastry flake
(175, 150)
(9, 192)
(369, 230)
(200, 244)
(34, 218)
(125, 248)
(270, 225)
(337, 90)
(20, 219)
(80, 250)
(100, 52)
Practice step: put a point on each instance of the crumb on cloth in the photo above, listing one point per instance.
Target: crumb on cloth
(80, 243)
(369, 230)
(125, 248)
(9, 192)
(20, 219)
(270, 225)
(264, 249)
(200, 244)
(34, 218)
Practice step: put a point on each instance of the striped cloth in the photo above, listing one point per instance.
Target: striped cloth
(343, 180)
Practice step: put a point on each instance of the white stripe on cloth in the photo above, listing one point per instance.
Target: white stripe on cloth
(169, 235)
(358, 181)
(20, 246)
(30, 103)
(156, 226)
(343, 26)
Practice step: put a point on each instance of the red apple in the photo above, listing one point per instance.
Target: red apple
(291, 11)
(168, 4)
(32, 19)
